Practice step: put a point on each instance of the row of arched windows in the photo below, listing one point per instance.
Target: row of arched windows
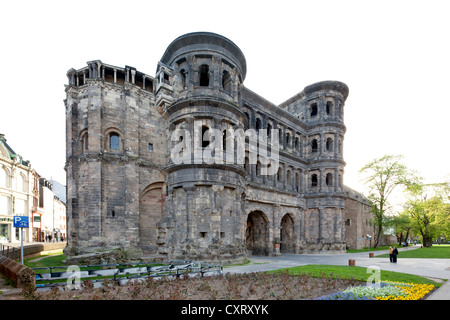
(6, 180)
(287, 179)
(204, 76)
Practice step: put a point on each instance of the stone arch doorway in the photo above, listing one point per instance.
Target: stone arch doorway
(151, 209)
(287, 234)
(257, 233)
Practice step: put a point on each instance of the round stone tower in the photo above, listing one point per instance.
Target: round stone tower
(322, 109)
(199, 79)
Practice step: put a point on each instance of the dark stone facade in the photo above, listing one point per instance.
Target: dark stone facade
(139, 173)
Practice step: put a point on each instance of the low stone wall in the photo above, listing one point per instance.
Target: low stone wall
(21, 275)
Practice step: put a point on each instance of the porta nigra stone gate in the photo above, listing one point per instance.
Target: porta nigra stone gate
(127, 188)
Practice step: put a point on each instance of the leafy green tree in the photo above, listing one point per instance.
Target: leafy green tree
(383, 176)
(430, 214)
(402, 225)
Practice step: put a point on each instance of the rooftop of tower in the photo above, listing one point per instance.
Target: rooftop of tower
(205, 41)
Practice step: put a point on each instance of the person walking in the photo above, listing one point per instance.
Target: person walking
(394, 255)
(390, 253)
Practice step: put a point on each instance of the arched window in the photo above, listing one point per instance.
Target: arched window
(183, 77)
(269, 131)
(328, 107)
(314, 145)
(226, 81)
(329, 179)
(329, 144)
(84, 142)
(204, 139)
(204, 75)
(279, 175)
(114, 141)
(296, 143)
(3, 178)
(288, 139)
(248, 120)
(288, 177)
(314, 181)
(297, 181)
(258, 125)
(314, 110)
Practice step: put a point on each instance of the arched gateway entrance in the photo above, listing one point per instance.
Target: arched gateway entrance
(257, 233)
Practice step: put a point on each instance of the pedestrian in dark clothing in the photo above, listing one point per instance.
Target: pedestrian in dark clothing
(390, 253)
(394, 255)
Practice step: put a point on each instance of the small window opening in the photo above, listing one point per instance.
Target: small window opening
(205, 137)
(314, 110)
(329, 179)
(113, 213)
(150, 147)
(296, 143)
(85, 142)
(204, 75)
(288, 139)
(314, 146)
(114, 141)
(329, 105)
(258, 125)
(203, 234)
(314, 180)
(329, 144)
(269, 131)
(226, 81)
(183, 77)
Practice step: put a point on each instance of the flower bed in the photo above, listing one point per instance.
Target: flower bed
(387, 290)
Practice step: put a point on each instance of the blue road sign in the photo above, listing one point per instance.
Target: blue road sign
(21, 222)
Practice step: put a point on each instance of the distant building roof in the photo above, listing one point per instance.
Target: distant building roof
(7, 152)
(355, 195)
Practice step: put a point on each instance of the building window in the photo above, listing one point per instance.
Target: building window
(226, 81)
(329, 105)
(258, 125)
(329, 179)
(329, 144)
(204, 75)
(314, 181)
(114, 141)
(205, 137)
(314, 145)
(150, 147)
(314, 110)
(3, 178)
(85, 142)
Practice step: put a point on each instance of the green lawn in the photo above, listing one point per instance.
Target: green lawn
(359, 273)
(435, 252)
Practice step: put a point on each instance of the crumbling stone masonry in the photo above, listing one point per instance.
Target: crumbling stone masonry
(126, 188)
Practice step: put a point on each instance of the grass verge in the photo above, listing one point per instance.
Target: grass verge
(357, 273)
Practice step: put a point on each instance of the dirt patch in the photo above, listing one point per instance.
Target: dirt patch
(247, 286)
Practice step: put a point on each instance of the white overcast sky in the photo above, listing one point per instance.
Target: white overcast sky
(394, 56)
